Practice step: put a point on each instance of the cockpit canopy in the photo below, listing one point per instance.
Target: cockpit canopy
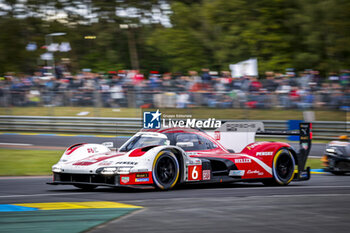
(145, 139)
(186, 140)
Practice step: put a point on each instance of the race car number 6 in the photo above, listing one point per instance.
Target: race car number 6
(194, 173)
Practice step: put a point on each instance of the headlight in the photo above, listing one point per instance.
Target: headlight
(108, 171)
(124, 170)
(57, 169)
(330, 150)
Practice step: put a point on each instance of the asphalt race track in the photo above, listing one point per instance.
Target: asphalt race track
(319, 205)
(65, 141)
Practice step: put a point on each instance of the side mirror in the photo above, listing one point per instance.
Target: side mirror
(108, 144)
(184, 144)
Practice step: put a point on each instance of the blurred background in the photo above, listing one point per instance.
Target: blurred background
(276, 54)
(74, 71)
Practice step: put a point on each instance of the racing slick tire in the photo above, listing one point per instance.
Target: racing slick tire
(85, 187)
(282, 168)
(165, 170)
(338, 173)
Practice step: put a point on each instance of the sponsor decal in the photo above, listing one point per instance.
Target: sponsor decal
(92, 150)
(234, 126)
(151, 120)
(192, 153)
(243, 160)
(127, 163)
(206, 174)
(305, 131)
(141, 175)
(255, 145)
(236, 173)
(217, 135)
(305, 145)
(142, 180)
(194, 161)
(264, 153)
(259, 173)
(125, 179)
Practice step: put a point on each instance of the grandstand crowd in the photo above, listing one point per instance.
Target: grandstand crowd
(130, 88)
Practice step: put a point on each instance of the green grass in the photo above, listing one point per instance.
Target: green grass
(252, 114)
(39, 162)
(314, 163)
(27, 162)
(71, 111)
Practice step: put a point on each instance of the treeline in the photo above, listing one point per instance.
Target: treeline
(282, 34)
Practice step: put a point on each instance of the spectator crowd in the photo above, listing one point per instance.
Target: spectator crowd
(130, 88)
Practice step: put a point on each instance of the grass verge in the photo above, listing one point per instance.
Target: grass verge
(314, 163)
(15, 162)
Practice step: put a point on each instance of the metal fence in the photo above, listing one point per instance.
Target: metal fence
(127, 126)
(185, 99)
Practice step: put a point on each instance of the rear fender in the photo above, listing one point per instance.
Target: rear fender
(265, 151)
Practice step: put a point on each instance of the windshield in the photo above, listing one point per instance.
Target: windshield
(142, 141)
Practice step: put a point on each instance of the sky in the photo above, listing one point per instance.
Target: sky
(156, 15)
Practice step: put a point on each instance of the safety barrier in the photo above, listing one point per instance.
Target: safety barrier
(326, 130)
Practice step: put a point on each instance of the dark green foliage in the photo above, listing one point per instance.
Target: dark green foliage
(206, 33)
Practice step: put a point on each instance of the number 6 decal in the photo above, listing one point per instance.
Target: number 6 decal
(194, 172)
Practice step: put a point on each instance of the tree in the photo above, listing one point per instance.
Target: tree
(202, 33)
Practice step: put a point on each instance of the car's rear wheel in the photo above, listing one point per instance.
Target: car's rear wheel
(282, 168)
(85, 187)
(166, 170)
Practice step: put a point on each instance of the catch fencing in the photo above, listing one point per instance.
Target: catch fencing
(325, 130)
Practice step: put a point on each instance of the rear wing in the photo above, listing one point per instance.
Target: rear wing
(305, 138)
(236, 135)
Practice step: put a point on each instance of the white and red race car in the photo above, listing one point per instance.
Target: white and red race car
(164, 158)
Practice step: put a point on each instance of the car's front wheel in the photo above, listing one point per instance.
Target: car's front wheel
(166, 170)
(338, 173)
(282, 168)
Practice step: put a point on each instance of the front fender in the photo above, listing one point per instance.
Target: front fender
(83, 150)
(180, 154)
